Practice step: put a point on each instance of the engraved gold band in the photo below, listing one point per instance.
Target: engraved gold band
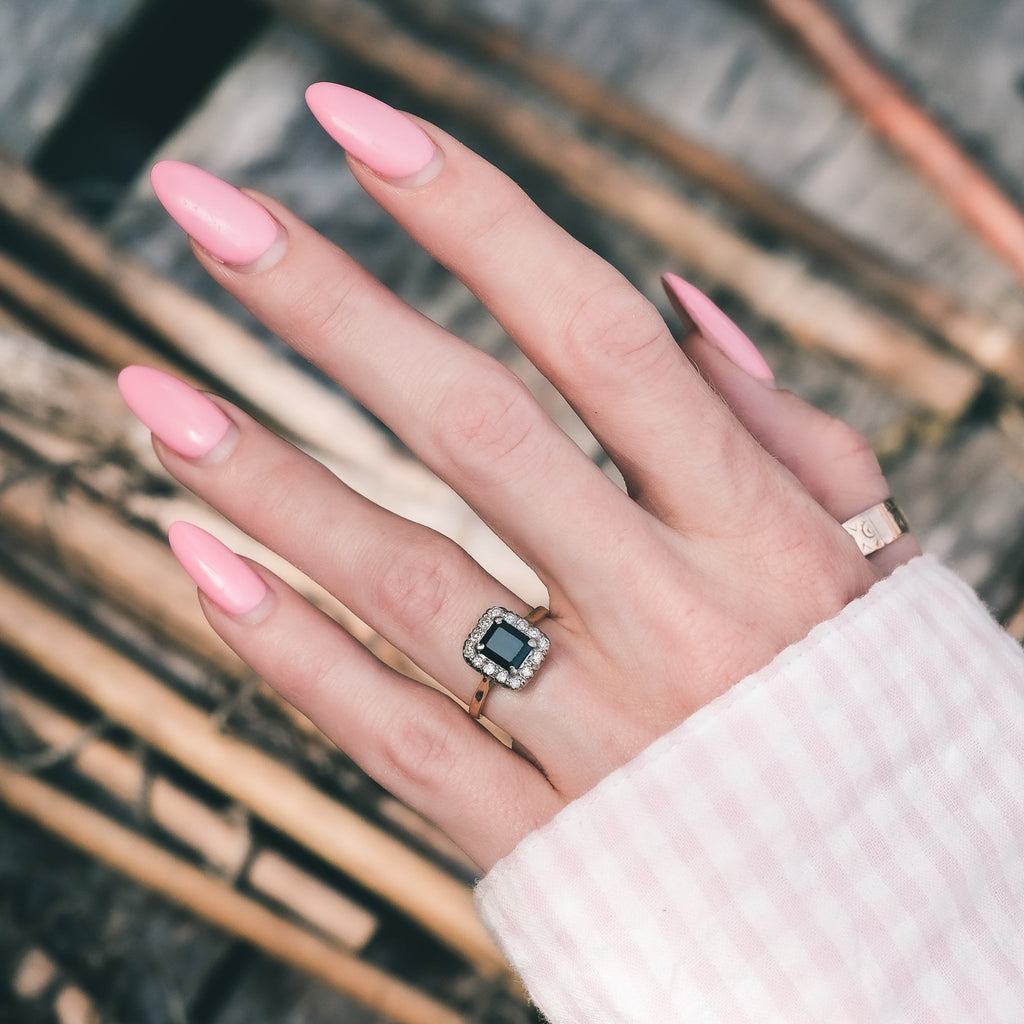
(878, 526)
(477, 703)
(512, 674)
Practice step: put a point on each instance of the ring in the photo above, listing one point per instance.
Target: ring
(506, 649)
(878, 526)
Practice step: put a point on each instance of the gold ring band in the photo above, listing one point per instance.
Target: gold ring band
(477, 703)
(877, 527)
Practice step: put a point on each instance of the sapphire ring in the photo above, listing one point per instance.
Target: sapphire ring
(506, 649)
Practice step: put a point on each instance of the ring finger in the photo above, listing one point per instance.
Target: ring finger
(408, 737)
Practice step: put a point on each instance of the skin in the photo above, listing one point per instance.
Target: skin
(725, 550)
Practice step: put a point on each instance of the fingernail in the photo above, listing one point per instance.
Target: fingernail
(692, 304)
(228, 224)
(377, 135)
(183, 418)
(227, 580)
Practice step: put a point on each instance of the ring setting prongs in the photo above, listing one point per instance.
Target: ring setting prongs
(505, 648)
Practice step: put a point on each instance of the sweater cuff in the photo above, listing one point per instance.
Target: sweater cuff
(835, 838)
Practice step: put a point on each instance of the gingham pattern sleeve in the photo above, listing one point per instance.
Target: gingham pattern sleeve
(836, 839)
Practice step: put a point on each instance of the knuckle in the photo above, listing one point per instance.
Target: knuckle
(852, 454)
(417, 583)
(503, 213)
(282, 482)
(487, 430)
(322, 313)
(613, 328)
(421, 751)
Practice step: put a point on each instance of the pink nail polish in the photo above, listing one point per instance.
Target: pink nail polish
(377, 135)
(228, 224)
(219, 573)
(691, 303)
(183, 418)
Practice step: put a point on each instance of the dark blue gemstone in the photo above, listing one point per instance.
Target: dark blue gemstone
(505, 645)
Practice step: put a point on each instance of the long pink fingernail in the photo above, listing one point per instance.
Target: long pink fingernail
(691, 303)
(183, 418)
(228, 224)
(220, 574)
(377, 135)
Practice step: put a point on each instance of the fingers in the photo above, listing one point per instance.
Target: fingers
(411, 739)
(470, 419)
(832, 460)
(653, 621)
(416, 588)
(600, 342)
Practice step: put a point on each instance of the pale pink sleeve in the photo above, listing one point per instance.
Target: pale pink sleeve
(838, 838)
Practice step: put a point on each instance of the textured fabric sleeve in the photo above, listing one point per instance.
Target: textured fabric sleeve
(838, 838)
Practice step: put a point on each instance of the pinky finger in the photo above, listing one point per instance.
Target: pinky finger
(832, 460)
(412, 739)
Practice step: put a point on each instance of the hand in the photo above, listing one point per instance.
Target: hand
(726, 549)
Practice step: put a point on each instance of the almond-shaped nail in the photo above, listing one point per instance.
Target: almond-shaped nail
(183, 418)
(225, 578)
(377, 135)
(692, 304)
(228, 224)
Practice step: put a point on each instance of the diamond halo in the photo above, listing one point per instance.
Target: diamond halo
(505, 648)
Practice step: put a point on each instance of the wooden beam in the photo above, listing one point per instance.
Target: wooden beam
(215, 900)
(93, 334)
(889, 109)
(812, 310)
(138, 701)
(224, 842)
(987, 342)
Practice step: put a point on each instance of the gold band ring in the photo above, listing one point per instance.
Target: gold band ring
(877, 527)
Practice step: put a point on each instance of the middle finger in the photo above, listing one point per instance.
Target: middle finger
(593, 335)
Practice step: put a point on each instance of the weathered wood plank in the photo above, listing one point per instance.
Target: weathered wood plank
(724, 76)
(959, 181)
(213, 899)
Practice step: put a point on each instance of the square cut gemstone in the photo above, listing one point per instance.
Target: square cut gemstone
(505, 646)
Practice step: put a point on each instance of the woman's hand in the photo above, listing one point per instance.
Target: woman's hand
(726, 549)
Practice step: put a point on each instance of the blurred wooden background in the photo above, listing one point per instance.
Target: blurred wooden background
(855, 209)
